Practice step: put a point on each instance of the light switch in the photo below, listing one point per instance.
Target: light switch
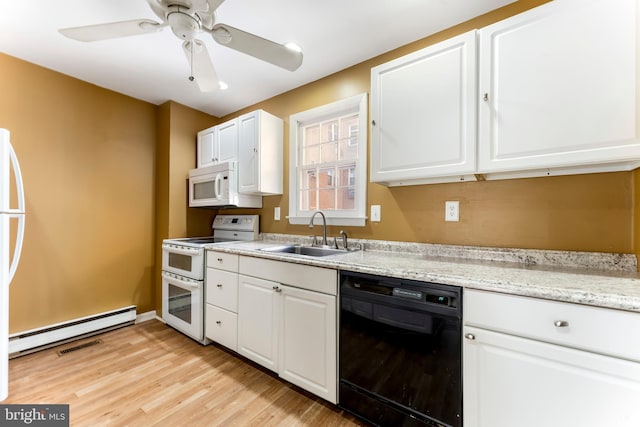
(375, 213)
(276, 213)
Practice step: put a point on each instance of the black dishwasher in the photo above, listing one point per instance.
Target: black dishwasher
(400, 351)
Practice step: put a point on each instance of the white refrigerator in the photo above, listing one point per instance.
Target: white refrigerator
(11, 236)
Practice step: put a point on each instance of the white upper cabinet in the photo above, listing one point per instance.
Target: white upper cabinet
(423, 110)
(558, 90)
(260, 160)
(217, 144)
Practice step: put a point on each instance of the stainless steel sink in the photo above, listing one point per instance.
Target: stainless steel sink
(312, 251)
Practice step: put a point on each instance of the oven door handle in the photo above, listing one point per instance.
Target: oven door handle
(182, 283)
(183, 251)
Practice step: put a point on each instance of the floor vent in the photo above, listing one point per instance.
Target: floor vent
(79, 347)
(77, 329)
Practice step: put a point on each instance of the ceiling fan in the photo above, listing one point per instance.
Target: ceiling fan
(187, 19)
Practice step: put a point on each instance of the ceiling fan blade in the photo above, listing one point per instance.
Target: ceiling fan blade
(112, 30)
(202, 69)
(266, 50)
(214, 4)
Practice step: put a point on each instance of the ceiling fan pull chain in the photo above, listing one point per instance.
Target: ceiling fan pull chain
(191, 78)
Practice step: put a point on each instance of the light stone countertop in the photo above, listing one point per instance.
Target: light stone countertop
(610, 280)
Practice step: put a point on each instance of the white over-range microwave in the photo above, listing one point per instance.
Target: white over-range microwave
(217, 186)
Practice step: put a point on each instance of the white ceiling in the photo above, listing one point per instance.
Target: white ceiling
(334, 34)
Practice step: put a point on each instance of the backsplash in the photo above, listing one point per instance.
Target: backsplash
(599, 261)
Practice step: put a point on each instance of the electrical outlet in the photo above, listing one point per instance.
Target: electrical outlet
(276, 213)
(375, 213)
(452, 211)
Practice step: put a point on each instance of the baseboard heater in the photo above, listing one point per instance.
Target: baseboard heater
(38, 339)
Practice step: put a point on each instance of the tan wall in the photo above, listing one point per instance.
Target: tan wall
(586, 212)
(87, 157)
(177, 127)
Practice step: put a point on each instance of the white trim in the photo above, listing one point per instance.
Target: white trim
(357, 217)
(143, 317)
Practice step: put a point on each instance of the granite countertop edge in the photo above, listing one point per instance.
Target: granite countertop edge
(612, 282)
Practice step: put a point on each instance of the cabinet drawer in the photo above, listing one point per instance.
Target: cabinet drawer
(222, 289)
(221, 326)
(317, 279)
(595, 329)
(222, 261)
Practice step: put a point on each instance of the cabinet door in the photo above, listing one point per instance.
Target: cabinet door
(511, 381)
(205, 148)
(308, 355)
(558, 87)
(226, 139)
(249, 153)
(258, 321)
(423, 109)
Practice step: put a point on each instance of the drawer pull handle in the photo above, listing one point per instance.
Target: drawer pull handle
(219, 259)
(277, 289)
(219, 285)
(470, 336)
(218, 322)
(561, 324)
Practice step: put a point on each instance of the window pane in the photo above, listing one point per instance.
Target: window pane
(346, 198)
(311, 155)
(308, 179)
(329, 152)
(346, 187)
(348, 146)
(312, 135)
(330, 131)
(326, 178)
(327, 199)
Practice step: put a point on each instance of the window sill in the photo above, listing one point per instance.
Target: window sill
(343, 221)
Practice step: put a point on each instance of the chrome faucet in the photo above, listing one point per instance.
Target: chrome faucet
(324, 226)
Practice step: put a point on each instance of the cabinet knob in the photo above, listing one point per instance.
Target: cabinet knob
(470, 336)
(486, 97)
(373, 122)
(277, 289)
(219, 285)
(219, 259)
(218, 322)
(561, 324)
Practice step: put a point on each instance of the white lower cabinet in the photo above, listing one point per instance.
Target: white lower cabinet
(290, 328)
(258, 321)
(308, 341)
(526, 363)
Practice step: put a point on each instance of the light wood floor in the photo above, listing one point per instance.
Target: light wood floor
(149, 374)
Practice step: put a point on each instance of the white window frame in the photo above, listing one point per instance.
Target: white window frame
(357, 216)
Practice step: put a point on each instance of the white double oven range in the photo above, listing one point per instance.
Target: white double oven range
(183, 267)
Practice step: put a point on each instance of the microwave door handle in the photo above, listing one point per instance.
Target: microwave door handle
(180, 282)
(182, 251)
(216, 186)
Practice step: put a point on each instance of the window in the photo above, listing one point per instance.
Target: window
(328, 169)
